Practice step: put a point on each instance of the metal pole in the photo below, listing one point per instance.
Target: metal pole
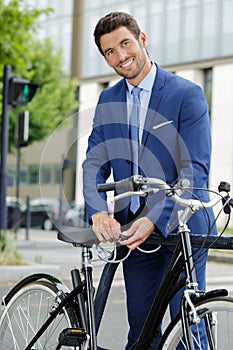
(60, 217)
(4, 148)
(17, 173)
(27, 218)
(18, 210)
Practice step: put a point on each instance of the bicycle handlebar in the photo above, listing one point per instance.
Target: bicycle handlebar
(125, 184)
(138, 185)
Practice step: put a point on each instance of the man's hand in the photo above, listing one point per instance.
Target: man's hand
(139, 231)
(105, 227)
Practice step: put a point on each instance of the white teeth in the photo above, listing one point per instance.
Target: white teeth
(127, 64)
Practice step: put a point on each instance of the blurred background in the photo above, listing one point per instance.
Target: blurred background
(51, 44)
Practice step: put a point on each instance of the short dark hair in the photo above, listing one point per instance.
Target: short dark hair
(112, 21)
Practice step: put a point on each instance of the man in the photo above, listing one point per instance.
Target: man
(173, 142)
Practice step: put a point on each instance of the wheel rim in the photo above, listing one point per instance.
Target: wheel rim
(26, 313)
(222, 311)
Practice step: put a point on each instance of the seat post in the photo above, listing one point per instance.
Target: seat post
(87, 271)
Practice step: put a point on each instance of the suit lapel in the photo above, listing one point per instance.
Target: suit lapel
(156, 96)
(120, 111)
(120, 96)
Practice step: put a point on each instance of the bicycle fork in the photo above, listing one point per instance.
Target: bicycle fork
(191, 318)
(189, 313)
(188, 310)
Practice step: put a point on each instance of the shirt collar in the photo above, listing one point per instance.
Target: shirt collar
(147, 82)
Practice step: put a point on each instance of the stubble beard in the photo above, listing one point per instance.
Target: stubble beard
(133, 75)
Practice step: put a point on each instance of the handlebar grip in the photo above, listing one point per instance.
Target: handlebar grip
(111, 186)
(125, 185)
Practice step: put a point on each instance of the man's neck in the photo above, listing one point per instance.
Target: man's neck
(145, 70)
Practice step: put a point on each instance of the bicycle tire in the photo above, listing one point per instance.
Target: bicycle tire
(27, 311)
(222, 308)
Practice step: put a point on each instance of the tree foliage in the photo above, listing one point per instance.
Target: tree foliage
(38, 61)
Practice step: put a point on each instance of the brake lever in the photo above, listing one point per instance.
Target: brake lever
(227, 201)
(143, 193)
(227, 204)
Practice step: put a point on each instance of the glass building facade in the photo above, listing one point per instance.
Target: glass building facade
(192, 38)
(178, 31)
(58, 26)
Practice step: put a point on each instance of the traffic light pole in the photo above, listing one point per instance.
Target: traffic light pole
(16, 92)
(17, 214)
(4, 148)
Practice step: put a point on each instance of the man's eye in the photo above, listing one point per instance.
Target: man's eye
(125, 43)
(109, 53)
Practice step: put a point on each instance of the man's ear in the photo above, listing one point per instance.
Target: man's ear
(143, 39)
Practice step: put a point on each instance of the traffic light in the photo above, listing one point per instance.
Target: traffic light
(21, 91)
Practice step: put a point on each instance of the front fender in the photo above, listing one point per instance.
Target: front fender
(32, 278)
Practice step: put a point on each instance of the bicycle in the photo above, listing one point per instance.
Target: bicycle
(40, 312)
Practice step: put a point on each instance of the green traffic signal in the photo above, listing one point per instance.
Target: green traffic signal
(25, 96)
(21, 91)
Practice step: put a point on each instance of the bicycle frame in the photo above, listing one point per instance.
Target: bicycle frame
(90, 309)
(182, 257)
(161, 301)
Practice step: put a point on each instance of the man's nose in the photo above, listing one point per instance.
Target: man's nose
(121, 55)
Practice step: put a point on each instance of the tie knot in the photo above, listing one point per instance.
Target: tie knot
(136, 91)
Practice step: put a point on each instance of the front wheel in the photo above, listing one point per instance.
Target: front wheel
(27, 311)
(214, 332)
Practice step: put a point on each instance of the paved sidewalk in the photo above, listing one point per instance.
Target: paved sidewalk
(43, 252)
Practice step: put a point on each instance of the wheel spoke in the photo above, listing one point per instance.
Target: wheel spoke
(26, 313)
(215, 328)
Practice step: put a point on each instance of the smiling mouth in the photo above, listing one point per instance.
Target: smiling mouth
(127, 64)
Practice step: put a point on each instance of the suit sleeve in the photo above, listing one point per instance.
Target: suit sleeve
(194, 130)
(194, 147)
(96, 169)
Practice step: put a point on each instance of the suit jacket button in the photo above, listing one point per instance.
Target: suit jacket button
(127, 161)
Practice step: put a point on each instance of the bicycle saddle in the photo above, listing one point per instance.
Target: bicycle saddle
(76, 235)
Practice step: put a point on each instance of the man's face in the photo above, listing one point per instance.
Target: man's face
(125, 54)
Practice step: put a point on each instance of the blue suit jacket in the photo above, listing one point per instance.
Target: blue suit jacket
(175, 144)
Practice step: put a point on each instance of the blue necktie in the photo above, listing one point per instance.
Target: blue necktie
(134, 123)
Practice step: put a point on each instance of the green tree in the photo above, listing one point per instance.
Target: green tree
(38, 61)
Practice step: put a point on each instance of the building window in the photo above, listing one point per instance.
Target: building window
(33, 174)
(50, 174)
(57, 175)
(227, 22)
(45, 175)
(23, 176)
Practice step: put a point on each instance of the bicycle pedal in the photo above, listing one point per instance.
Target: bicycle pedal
(72, 337)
